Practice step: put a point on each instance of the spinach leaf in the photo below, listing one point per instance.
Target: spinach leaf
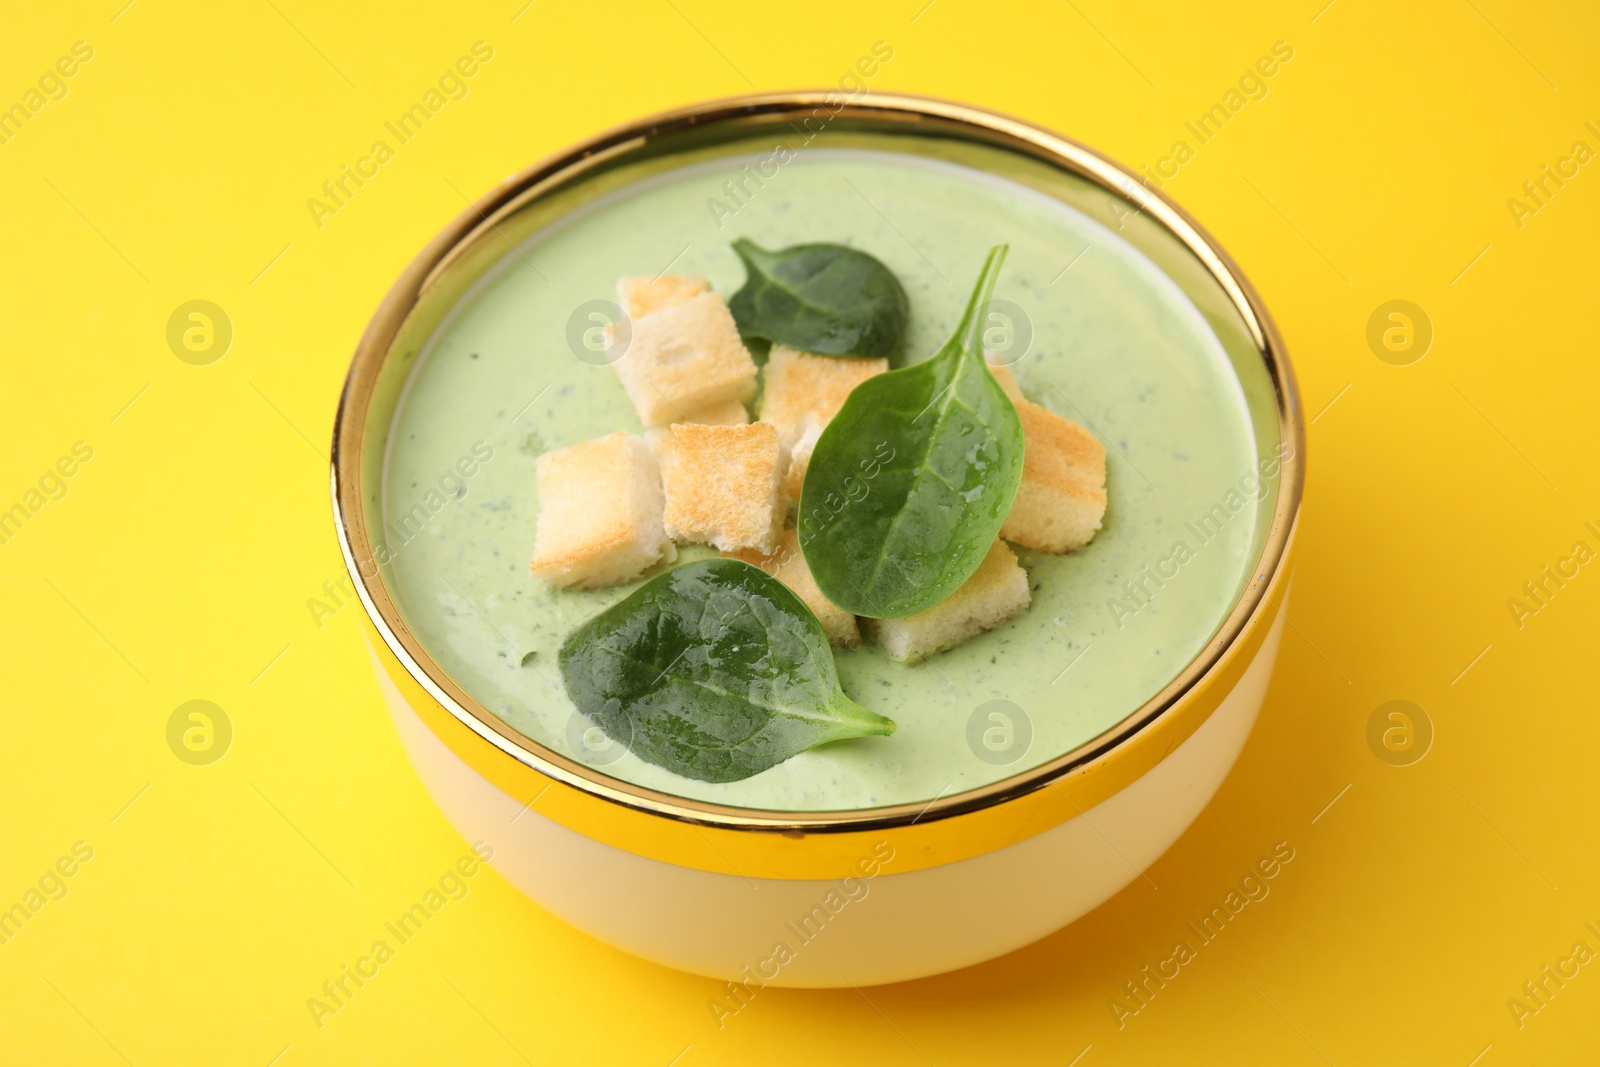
(910, 483)
(820, 298)
(713, 670)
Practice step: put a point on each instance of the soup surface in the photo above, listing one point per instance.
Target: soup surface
(1114, 345)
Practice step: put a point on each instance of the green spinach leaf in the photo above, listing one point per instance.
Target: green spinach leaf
(910, 483)
(713, 670)
(820, 298)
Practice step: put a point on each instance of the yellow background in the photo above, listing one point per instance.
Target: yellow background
(179, 564)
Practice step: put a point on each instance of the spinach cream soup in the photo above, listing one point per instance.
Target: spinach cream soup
(1098, 334)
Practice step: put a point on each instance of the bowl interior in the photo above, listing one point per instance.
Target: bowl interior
(467, 261)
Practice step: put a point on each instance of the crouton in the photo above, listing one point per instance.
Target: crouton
(1063, 493)
(685, 358)
(600, 506)
(801, 389)
(789, 567)
(799, 459)
(722, 485)
(728, 413)
(641, 296)
(997, 590)
(1003, 374)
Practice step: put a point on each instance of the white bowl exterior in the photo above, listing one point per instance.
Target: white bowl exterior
(889, 928)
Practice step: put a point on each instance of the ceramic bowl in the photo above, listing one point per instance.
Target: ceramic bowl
(843, 897)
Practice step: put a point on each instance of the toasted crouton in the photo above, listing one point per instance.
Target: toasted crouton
(789, 567)
(600, 508)
(802, 389)
(1003, 374)
(685, 358)
(728, 413)
(997, 590)
(799, 459)
(642, 295)
(722, 485)
(1063, 493)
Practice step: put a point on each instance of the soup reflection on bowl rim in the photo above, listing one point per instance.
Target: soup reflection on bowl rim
(805, 844)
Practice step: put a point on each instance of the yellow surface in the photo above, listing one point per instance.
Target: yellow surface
(178, 564)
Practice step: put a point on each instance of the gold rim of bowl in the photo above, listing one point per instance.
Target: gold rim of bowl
(808, 844)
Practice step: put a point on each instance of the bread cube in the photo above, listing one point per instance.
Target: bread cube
(642, 295)
(802, 389)
(600, 505)
(997, 591)
(794, 479)
(789, 567)
(727, 413)
(685, 358)
(1003, 374)
(723, 485)
(1062, 498)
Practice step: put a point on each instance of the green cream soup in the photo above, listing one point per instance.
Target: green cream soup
(1114, 346)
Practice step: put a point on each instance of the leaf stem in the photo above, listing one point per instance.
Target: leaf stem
(869, 722)
(970, 332)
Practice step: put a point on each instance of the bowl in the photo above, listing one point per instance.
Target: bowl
(900, 891)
